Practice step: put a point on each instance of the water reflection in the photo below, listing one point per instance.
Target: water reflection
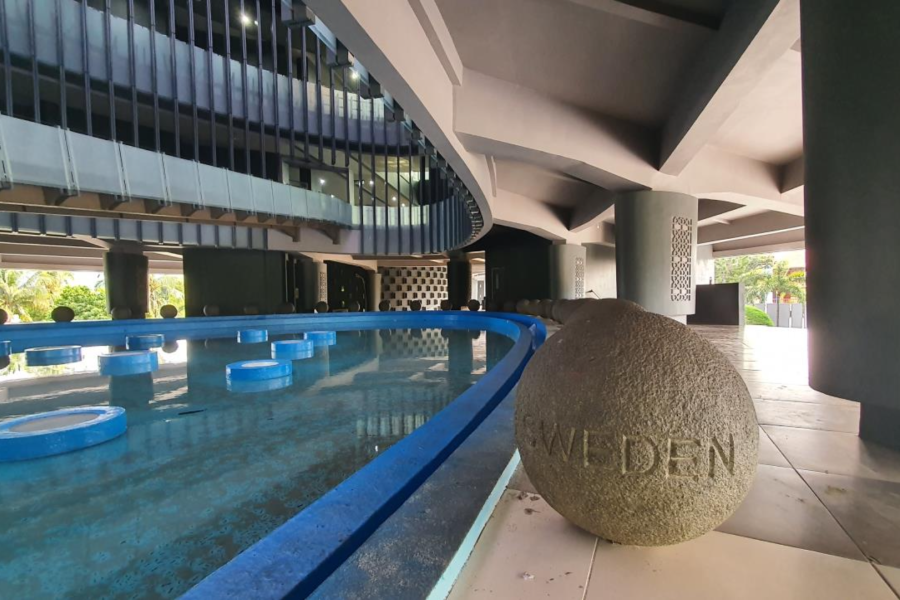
(203, 473)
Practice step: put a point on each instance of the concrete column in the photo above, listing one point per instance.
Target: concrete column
(374, 290)
(656, 248)
(567, 271)
(851, 95)
(459, 281)
(127, 286)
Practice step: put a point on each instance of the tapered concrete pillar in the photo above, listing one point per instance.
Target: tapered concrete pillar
(374, 291)
(127, 282)
(851, 120)
(459, 281)
(567, 264)
(656, 247)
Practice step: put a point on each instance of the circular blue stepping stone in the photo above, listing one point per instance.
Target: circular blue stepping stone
(128, 363)
(252, 336)
(257, 370)
(56, 355)
(260, 385)
(145, 342)
(321, 338)
(59, 431)
(293, 349)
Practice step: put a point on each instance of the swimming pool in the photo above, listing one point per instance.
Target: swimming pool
(206, 471)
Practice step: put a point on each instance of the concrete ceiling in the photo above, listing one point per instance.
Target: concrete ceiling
(577, 53)
(768, 124)
(550, 187)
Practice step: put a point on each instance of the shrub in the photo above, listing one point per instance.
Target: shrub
(754, 316)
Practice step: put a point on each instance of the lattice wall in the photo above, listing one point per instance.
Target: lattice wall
(682, 240)
(401, 285)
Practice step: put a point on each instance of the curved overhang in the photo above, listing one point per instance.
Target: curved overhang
(390, 40)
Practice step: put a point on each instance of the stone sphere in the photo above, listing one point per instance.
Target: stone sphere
(635, 428)
(523, 306)
(545, 307)
(509, 306)
(473, 305)
(4, 316)
(251, 310)
(415, 305)
(285, 308)
(321, 306)
(605, 308)
(62, 314)
(384, 305)
(564, 312)
(490, 306)
(211, 310)
(557, 306)
(353, 306)
(168, 312)
(446, 305)
(119, 313)
(170, 347)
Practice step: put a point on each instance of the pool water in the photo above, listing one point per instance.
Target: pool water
(205, 471)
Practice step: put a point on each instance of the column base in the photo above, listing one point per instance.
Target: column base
(880, 424)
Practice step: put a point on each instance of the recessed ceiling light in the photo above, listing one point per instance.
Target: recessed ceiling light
(246, 20)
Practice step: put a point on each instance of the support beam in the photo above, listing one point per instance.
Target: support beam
(756, 225)
(655, 13)
(792, 175)
(591, 211)
(438, 34)
(753, 36)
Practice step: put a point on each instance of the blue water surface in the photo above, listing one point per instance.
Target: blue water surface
(205, 471)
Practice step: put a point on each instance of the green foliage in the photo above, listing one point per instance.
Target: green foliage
(88, 304)
(166, 289)
(32, 295)
(754, 316)
(761, 276)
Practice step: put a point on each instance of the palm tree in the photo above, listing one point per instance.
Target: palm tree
(15, 296)
(46, 287)
(779, 281)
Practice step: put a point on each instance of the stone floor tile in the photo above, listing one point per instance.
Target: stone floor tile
(769, 454)
(807, 415)
(781, 508)
(527, 551)
(835, 452)
(892, 576)
(867, 508)
(719, 566)
(793, 393)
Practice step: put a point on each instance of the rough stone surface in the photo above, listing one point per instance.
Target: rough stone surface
(606, 308)
(635, 428)
(446, 305)
(321, 307)
(384, 305)
(353, 306)
(285, 308)
(4, 316)
(415, 305)
(120, 312)
(168, 312)
(557, 306)
(570, 308)
(473, 305)
(211, 310)
(523, 306)
(62, 314)
(545, 308)
(251, 310)
(509, 306)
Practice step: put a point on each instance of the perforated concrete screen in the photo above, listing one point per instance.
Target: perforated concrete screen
(682, 238)
(402, 285)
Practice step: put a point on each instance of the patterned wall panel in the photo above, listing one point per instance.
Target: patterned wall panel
(682, 241)
(579, 277)
(402, 285)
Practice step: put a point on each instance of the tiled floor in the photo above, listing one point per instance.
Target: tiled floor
(822, 520)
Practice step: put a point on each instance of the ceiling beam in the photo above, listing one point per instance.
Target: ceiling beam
(748, 227)
(773, 242)
(590, 211)
(654, 13)
(438, 35)
(753, 36)
(793, 175)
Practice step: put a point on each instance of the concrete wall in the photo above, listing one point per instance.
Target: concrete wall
(600, 272)
(719, 304)
(233, 279)
(567, 271)
(402, 285)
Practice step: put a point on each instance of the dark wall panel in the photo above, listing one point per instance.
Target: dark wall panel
(233, 279)
(719, 304)
(346, 283)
